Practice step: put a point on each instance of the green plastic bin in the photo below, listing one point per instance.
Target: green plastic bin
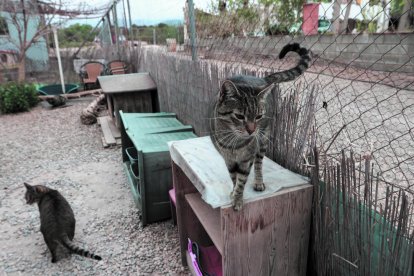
(132, 154)
(150, 176)
(137, 124)
(56, 89)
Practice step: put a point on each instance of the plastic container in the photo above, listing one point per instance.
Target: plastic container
(56, 89)
(204, 260)
(132, 154)
(147, 159)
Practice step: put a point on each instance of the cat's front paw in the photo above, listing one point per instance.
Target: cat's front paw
(237, 204)
(260, 187)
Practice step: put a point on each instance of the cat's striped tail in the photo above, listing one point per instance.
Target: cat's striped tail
(77, 250)
(291, 74)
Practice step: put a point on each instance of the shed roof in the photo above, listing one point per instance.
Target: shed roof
(126, 83)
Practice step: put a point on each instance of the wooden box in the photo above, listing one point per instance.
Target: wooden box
(135, 92)
(269, 236)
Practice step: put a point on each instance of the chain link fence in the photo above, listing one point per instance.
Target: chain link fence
(365, 80)
(347, 122)
(355, 104)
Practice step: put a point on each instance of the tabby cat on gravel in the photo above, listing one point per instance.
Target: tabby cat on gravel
(240, 127)
(57, 222)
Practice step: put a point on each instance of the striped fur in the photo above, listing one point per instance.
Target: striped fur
(57, 221)
(77, 250)
(240, 124)
(293, 73)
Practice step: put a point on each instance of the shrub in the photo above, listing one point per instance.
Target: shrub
(17, 97)
(31, 94)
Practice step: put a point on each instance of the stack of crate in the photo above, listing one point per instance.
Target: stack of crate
(147, 160)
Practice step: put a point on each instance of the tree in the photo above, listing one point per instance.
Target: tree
(288, 12)
(76, 34)
(20, 17)
(335, 16)
(227, 18)
(222, 6)
(403, 25)
(285, 12)
(344, 26)
(32, 20)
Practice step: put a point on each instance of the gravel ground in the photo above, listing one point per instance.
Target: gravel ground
(52, 147)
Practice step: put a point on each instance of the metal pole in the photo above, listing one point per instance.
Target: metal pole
(154, 36)
(108, 17)
(192, 29)
(62, 81)
(130, 23)
(125, 18)
(85, 41)
(116, 29)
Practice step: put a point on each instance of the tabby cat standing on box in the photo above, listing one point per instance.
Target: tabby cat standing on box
(240, 125)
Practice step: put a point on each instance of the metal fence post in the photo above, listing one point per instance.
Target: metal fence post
(132, 36)
(191, 16)
(154, 36)
(116, 28)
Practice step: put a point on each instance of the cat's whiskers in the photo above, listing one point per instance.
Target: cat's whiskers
(263, 135)
(256, 137)
(237, 135)
(231, 140)
(226, 138)
(223, 137)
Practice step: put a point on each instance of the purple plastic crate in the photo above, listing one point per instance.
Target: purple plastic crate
(210, 260)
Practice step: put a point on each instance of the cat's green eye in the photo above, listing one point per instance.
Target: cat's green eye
(258, 117)
(239, 116)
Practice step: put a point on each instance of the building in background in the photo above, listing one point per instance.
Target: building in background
(37, 58)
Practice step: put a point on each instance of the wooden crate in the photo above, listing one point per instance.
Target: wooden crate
(269, 236)
(129, 92)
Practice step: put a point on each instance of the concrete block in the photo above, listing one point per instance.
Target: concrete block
(394, 38)
(363, 38)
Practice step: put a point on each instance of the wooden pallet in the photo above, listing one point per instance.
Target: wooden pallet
(111, 134)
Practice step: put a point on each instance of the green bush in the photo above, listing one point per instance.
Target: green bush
(17, 97)
(31, 94)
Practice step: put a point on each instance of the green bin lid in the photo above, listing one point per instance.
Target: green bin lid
(137, 124)
(131, 116)
(158, 142)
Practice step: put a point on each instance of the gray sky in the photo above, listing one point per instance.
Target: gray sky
(146, 9)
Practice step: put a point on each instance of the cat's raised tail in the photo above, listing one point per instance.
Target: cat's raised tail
(293, 73)
(77, 250)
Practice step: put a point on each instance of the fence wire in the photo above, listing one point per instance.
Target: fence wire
(347, 122)
(362, 76)
(365, 74)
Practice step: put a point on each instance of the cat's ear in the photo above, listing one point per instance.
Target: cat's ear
(228, 89)
(265, 91)
(28, 187)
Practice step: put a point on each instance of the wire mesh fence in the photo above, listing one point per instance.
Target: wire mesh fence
(347, 122)
(365, 79)
(361, 110)
(110, 39)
